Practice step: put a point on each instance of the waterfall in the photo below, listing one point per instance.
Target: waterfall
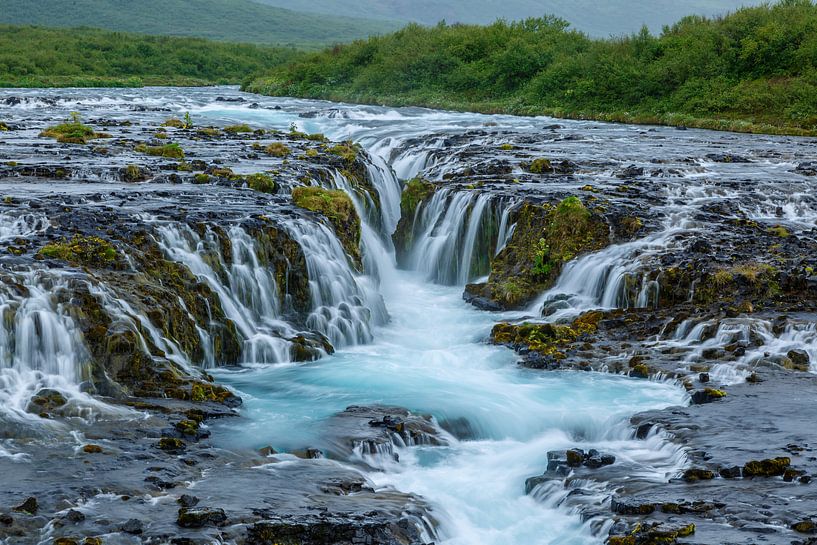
(449, 229)
(613, 277)
(757, 338)
(40, 345)
(246, 289)
(345, 306)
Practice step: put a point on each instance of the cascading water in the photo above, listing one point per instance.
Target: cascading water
(246, 289)
(40, 346)
(447, 231)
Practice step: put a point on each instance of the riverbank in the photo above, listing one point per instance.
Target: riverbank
(749, 71)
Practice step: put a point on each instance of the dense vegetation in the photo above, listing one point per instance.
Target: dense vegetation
(35, 57)
(753, 70)
(230, 20)
(597, 18)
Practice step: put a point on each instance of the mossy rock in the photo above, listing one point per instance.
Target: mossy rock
(539, 166)
(73, 132)
(338, 208)
(278, 149)
(170, 151)
(774, 467)
(261, 182)
(545, 238)
(238, 129)
(549, 340)
(89, 251)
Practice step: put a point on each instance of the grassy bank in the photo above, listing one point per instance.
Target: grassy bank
(754, 71)
(81, 57)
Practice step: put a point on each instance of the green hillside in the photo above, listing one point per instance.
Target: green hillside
(229, 20)
(597, 18)
(35, 57)
(754, 70)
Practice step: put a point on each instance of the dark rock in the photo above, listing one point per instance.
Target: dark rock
(697, 474)
(199, 518)
(730, 472)
(707, 395)
(799, 359)
(74, 516)
(29, 506)
(133, 526)
(186, 500)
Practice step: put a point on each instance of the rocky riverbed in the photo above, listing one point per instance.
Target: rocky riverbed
(205, 339)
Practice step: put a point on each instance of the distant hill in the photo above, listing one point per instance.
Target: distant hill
(226, 20)
(600, 18)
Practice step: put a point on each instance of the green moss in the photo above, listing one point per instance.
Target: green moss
(714, 393)
(261, 182)
(133, 173)
(312, 153)
(347, 151)
(507, 147)
(779, 231)
(174, 122)
(338, 208)
(82, 250)
(72, 132)
(208, 131)
(171, 151)
(773, 467)
(184, 166)
(545, 238)
(3, 127)
(237, 129)
(415, 191)
(161, 135)
(278, 149)
(201, 178)
(538, 166)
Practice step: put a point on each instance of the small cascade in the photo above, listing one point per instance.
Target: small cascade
(246, 289)
(613, 277)
(455, 233)
(23, 225)
(740, 344)
(345, 306)
(126, 318)
(40, 345)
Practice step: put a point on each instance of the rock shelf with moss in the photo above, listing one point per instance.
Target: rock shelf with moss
(338, 208)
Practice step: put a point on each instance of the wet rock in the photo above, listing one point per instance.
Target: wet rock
(708, 395)
(29, 506)
(74, 516)
(133, 526)
(799, 359)
(726, 158)
(733, 472)
(187, 501)
(329, 531)
(626, 507)
(6, 519)
(199, 518)
(697, 474)
(766, 468)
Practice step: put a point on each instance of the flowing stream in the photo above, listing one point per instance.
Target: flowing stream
(404, 336)
(432, 358)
